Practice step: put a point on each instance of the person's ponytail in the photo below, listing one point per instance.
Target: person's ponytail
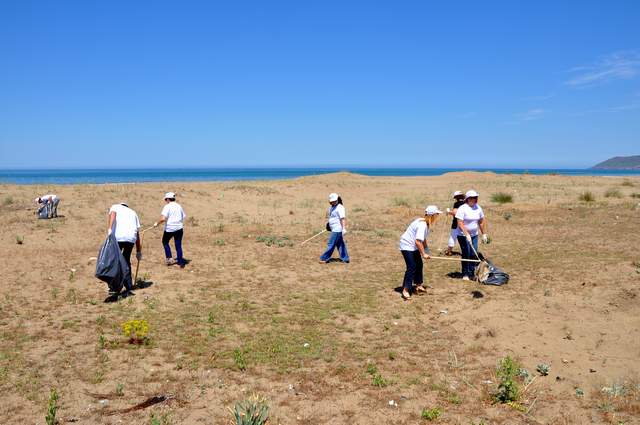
(339, 200)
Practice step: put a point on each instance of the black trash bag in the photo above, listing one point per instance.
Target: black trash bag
(488, 274)
(111, 266)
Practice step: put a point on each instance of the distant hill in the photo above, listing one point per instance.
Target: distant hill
(619, 163)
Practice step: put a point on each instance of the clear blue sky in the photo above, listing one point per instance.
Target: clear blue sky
(245, 83)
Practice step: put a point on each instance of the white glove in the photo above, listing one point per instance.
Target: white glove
(109, 231)
(139, 255)
(485, 239)
(448, 210)
(468, 236)
(155, 224)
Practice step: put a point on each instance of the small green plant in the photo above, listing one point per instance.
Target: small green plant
(219, 242)
(102, 342)
(136, 331)
(543, 369)
(119, 389)
(254, 411)
(392, 355)
(507, 216)
(52, 408)
(627, 182)
(508, 388)
(377, 380)
(613, 193)
(192, 221)
(159, 419)
(19, 239)
(8, 200)
(274, 241)
(635, 195)
(72, 275)
(431, 414)
(502, 198)
(239, 360)
(586, 197)
(400, 202)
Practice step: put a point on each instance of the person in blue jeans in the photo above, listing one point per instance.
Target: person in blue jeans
(173, 216)
(471, 222)
(337, 225)
(413, 246)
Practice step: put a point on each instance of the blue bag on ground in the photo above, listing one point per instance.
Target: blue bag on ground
(111, 266)
(488, 274)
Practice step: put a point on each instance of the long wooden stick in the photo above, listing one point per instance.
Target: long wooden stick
(313, 237)
(455, 259)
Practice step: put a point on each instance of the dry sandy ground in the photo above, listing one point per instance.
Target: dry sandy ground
(308, 334)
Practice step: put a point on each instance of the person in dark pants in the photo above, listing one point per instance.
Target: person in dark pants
(458, 200)
(124, 223)
(471, 223)
(413, 246)
(173, 216)
(337, 225)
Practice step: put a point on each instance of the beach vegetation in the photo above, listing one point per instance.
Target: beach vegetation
(586, 197)
(52, 408)
(627, 182)
(635, 195)
(613, 193)
(502, 198)
(8, 200)
(508, 388)
(271, 240)
(19, 239)
(400, 202)
(253, 411)
(431, 413)
(239, 359)
(136, 330)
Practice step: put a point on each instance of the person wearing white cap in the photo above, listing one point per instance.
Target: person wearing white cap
(413, 246)
(458, 200)
(471, 222)
(337, 225)
(124, 224)
(50, 202)
(173, 216)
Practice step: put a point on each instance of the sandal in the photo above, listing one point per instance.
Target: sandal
(406, 295)
(421, 288)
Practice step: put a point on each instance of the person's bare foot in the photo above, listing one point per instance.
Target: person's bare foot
(448, 252)
(406, 295)
(421, 288)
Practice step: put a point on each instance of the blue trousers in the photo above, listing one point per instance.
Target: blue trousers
(413, 274)
(336, 241)
(468, 268)
(177, 239)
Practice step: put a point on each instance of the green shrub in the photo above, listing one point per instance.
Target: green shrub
(508, 389)
(431, 414)
(19, 239)
(612, 193)
(239, 360)
(627, 183)
(253, 411)
(8, 200)
(275, 241)
(52, 408)
(502, 198)
(635, 195)
(586, 197)
(400, 202)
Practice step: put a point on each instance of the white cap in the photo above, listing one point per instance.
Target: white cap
(169, 195)
(471, 194)
(457, 193)
(432, 210)
(333, 197)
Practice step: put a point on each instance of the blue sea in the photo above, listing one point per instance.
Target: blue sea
(98, 176)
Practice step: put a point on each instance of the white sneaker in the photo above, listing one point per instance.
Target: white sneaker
(465, 277)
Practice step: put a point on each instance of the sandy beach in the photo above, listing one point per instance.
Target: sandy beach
(254, 313)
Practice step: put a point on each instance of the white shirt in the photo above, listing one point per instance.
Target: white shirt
(174, 215)
(48, 198)
(417, 230)
(470, 217)
(126, 224)
(335, 214)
